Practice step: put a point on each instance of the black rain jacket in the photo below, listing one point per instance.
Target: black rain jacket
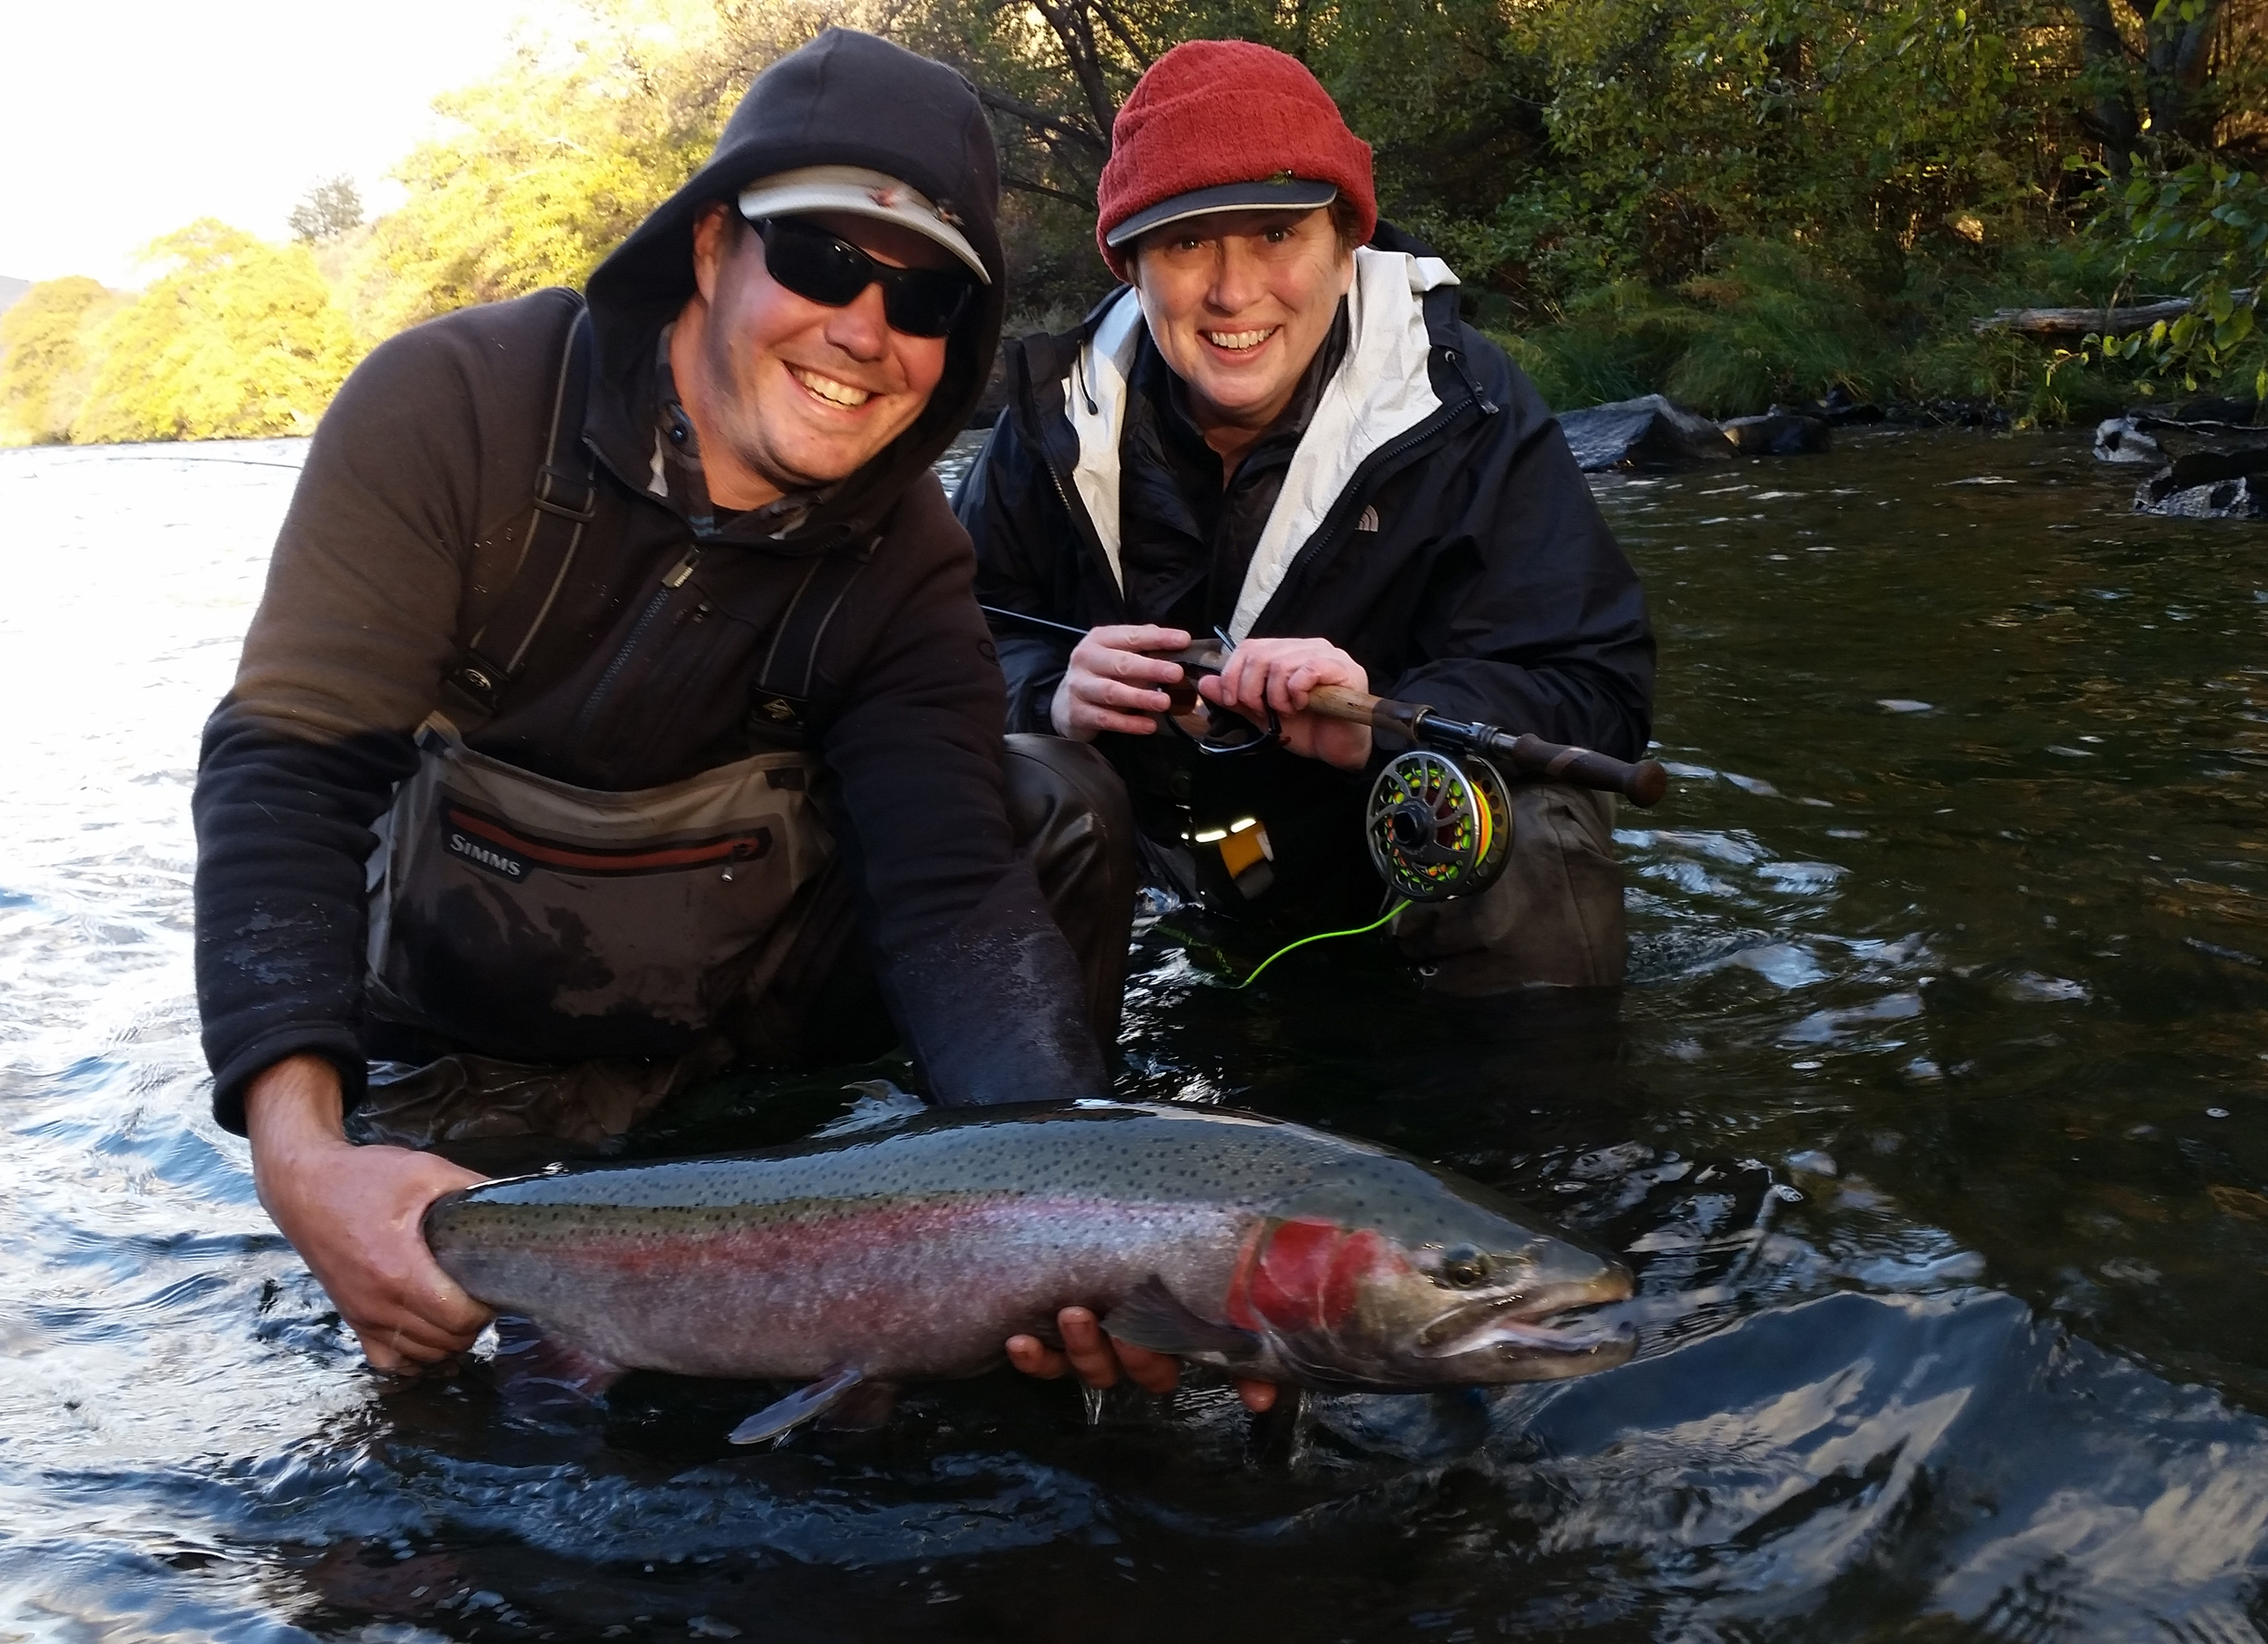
(1433, 525)
(409, 521)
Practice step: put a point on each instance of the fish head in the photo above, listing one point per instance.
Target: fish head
(1451, 1291)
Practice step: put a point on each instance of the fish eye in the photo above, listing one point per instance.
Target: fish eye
(1464, 1266)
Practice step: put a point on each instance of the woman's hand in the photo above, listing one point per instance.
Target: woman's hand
(1261, 675)
(1112, 685)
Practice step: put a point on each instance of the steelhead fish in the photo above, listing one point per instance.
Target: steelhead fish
(1262, 1248)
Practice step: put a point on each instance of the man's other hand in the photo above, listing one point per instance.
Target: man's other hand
(354, 1213)
(1111, 684)
(1100, 1359)
(1279, 674)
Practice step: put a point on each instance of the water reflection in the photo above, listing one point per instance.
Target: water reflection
(1932, 1124)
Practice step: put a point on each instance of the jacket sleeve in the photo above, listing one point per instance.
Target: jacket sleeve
(342, 661)
(1009, 505)
(981, 982)
(1535, 621)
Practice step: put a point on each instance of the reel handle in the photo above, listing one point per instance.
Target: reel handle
(1643, 784)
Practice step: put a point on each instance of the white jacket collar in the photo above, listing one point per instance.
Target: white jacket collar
(1381, 390)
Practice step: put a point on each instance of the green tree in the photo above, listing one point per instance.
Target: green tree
(2176, 79)
(237, 339)
(1863, 127)
(44, 359)
(2203, 228)
(330, 208)
(560, 156)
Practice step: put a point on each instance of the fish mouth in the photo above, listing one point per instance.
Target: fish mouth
(1557, 1321)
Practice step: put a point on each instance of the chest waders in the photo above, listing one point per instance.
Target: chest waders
(533, 921)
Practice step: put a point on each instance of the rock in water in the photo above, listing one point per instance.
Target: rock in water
(2117, 439)
(1649, 432)
(2209, 485)
(1779, 433)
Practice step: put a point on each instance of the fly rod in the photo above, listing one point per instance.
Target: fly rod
(1643, 783)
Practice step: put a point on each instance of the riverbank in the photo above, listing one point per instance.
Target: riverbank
(1774, 329)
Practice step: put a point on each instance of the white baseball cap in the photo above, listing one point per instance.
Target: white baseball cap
(862, 193)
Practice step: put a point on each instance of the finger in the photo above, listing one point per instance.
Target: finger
(1030, 1355)
(1112, 694)
(404, 1331)
(1147, 1368)
(449, 1311)
(1088, 1351)
(395, 1352)
(1133, 639)
(1300, 683)
(1102, 720)
(1233, 682)
(1259, 1396)
(382, 1357)
(1093, 716)
(437, 1302)
(1135, 665)
(1281, 695)
(1151, 636)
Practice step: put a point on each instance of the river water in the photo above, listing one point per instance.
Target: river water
(1934, 1122)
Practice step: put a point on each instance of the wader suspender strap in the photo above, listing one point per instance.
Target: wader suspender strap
(781, 694)
(566, 497)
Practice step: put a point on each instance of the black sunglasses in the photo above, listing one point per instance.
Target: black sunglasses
(816, 266)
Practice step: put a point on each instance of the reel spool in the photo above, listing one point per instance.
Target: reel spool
(1439, 826)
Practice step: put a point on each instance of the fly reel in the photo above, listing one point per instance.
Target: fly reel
(1439, 826)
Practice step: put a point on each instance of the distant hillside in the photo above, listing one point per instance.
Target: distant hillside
(10, 289)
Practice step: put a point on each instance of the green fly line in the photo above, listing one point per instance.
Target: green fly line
(1321, 936)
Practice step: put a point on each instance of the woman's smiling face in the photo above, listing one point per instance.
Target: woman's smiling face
(1238, 302)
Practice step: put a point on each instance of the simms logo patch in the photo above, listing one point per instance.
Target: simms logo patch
(503, 849)
(480, 852)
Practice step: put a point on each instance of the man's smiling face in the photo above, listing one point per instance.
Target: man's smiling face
(1238, 302)
(784, 393)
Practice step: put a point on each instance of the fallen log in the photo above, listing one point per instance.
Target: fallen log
(2078, 322)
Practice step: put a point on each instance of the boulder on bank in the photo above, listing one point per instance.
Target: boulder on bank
(2209, 485)
(1649, 432)
(1779, 433)
(2206, 413)
(1839, 409)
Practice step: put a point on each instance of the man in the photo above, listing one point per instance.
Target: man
(637, 639)
(1282, 431)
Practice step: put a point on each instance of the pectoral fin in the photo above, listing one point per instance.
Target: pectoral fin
(535, 1369)
(836, 1385)
(864, 1408)
(1152, 1316)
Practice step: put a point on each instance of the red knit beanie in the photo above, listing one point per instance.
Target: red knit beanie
(1211, 113)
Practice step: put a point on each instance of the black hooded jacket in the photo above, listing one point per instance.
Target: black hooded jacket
(410, 520)
(1433, 525)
